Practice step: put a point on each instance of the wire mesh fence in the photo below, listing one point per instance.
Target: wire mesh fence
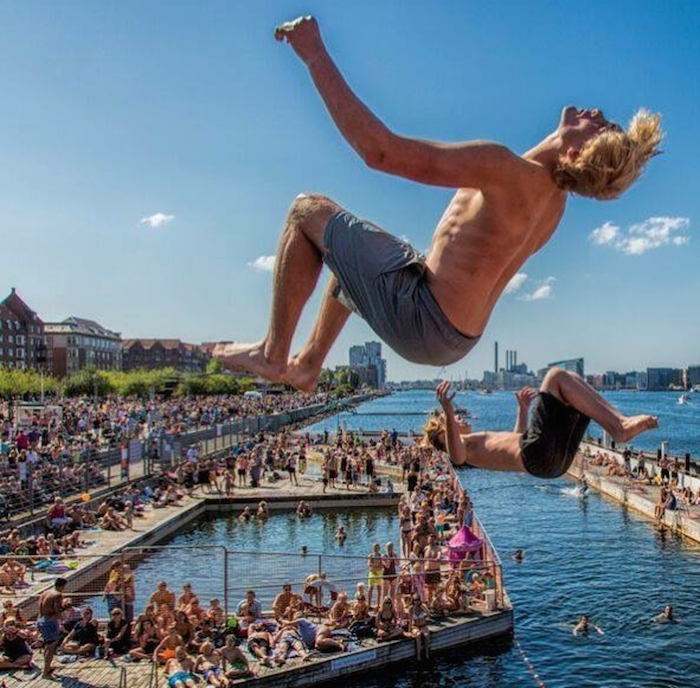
(173, 575)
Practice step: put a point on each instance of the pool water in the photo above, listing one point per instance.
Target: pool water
(263, 555)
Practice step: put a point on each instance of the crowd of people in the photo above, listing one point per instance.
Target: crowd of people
(55, 450)
(665, 473)
(405, 588)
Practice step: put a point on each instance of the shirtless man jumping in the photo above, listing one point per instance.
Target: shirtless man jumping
(543, 442)
(431, 310)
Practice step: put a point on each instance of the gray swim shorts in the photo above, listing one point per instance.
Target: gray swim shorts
(382, 279)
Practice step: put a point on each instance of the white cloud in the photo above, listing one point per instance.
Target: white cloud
(542, 292)
(157, 220)
(654, 232)
(263, 264)
(605, 234)
(516, 282)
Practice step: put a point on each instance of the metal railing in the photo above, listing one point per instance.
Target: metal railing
(213, 572)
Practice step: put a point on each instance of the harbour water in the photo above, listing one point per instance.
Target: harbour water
(581, 557)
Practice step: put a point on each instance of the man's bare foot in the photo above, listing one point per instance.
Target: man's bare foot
(635, 425)
(300, 376)
(251, 358)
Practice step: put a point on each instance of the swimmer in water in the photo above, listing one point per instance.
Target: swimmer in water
(518, 556)
(666, 616)
(584, 626)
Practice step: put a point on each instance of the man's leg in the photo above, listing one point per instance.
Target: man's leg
(49, 652)
(573, 390)
(304, 369)
(297, 267)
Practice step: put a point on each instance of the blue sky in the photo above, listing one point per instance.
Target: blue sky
(151, 150)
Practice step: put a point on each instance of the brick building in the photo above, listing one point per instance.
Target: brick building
(78, 343)
(150, 354)
(21, 334)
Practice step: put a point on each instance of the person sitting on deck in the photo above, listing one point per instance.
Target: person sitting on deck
(118, 639)
(234, 657)
(215, 613)
(16, 653)
(84, 638)
(186, 597)
(147, 640)
(340, 614)
(113, 520)
(457, 594)
(168, 646)
(12, 573)
(387, 622)
(282, 601)
(546, 446)
(248, 610)
(163, 595)
(195, 613)
(208, 663)
(179, 670)
(57, 519)
(185, 628)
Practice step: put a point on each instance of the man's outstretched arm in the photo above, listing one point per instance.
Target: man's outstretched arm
(453, 439)
(476, 164)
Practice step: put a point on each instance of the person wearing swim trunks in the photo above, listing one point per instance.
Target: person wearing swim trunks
(546, 444)
(239, 666)
(50, 608)
(260, 642)
(208, 663)
(376, 573)
(430, 309)
(179, 670)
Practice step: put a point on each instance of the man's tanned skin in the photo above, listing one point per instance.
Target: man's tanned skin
(506, 208)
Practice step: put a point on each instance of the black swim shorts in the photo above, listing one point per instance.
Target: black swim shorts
(382, 279)
(551, 440)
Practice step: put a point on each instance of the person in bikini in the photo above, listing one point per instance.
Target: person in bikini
(506, 208)
(544, 442)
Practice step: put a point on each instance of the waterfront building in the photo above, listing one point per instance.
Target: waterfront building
(22, 342)
(151, 354)
(78, 343)
(366, 360)
(659, 379)
(573, 365)
(692, 376)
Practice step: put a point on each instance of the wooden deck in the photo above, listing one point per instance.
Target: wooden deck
(446, 633)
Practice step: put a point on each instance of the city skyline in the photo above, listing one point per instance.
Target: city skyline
(148, 172)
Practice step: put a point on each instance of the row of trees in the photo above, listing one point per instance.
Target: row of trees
(144, 383)
(90, 382)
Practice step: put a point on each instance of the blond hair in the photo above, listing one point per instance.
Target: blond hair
(612, 161)
(432, 429)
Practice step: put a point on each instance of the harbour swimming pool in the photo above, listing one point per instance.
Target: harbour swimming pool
(261, 555)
